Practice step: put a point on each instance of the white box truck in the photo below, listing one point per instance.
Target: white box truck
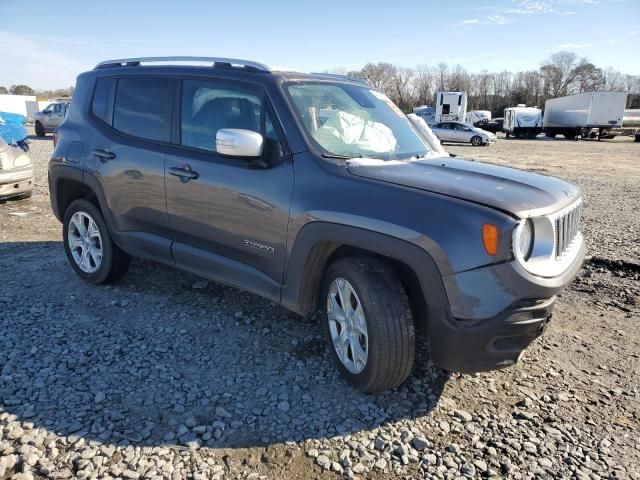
(584, 115)
(522, 121)
(451, 107)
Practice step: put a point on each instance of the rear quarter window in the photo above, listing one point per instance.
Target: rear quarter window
(142, 108)
(102, 104)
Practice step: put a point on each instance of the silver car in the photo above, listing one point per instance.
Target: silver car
(458, 132)
(50, 118)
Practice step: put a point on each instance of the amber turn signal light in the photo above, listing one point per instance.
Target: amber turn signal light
(490, 238)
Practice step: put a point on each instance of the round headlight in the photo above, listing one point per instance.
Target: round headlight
(523, 240)
(21, 160)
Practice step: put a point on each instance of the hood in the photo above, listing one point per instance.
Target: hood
(12, 129)
(517, 192)
(483, 132)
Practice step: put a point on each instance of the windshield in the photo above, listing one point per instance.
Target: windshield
(353, 121)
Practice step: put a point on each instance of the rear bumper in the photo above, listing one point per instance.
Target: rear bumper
(498, 342)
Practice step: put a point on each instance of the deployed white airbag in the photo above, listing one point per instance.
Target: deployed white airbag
(344, 129)
(427, 134)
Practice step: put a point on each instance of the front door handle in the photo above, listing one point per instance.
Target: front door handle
(185, 173)
(103, 155)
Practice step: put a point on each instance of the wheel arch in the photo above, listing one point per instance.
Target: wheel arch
(67, 183)
(320, 243)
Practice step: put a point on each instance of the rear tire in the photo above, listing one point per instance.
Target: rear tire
(40, 130)
(106, 262)
(372, 288)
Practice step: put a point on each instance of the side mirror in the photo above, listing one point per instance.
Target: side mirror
(237, 142)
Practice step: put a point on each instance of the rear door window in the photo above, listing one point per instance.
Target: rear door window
(142, 108)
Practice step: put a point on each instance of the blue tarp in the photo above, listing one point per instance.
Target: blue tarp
(12, 129)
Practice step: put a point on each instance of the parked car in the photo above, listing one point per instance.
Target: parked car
(13, 130)
(194, 167)
(16, 172)
(493, 125)
(458, 132)
(51, 117)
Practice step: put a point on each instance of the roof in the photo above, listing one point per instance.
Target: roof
(223, 63)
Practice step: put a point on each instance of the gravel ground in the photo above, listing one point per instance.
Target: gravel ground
(165, 375)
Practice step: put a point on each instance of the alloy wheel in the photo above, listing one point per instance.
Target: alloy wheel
(85, 242)
(347, 325)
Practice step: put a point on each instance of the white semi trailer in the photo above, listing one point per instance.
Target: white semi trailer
(451, 107)
(522, 121)
(584, 114)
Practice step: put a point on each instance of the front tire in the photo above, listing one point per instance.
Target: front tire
(476, 141)
(368, 323)
(40, 130)
(88, 245)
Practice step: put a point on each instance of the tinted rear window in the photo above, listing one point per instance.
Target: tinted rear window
(142, 108)
(102, 106)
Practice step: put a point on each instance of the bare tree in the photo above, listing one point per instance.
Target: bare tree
(561, 74)
(403, 93)
(442, 76)
(380, 75)
(424, 84)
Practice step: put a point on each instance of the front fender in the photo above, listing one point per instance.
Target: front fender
(316, 241)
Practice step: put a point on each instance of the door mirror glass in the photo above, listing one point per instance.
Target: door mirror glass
(238, 142)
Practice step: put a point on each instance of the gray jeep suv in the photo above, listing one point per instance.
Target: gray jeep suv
(317, 192)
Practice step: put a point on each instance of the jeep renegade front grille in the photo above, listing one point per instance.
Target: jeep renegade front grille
(567, 227)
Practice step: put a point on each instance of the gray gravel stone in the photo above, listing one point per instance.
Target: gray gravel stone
(324, 462)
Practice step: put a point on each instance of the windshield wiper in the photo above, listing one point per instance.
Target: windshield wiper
(340, 157)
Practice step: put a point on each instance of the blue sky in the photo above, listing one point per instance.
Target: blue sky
(46, 44)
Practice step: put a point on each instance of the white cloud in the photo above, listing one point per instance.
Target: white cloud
(522, 8)
(572, 46)
(490, 20)
(28, 60)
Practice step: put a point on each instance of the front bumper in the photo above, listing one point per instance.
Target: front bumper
(494, 343)
(495, 313)
(16, 181)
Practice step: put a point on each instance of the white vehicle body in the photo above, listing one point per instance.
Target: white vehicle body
(577, 114)
(15, 103)
(522, 121)
(477, 115)
(631, 118)
(451, 107)
(428, 114)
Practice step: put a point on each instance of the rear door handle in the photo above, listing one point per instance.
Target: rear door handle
(103, 155)
(185, 173)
